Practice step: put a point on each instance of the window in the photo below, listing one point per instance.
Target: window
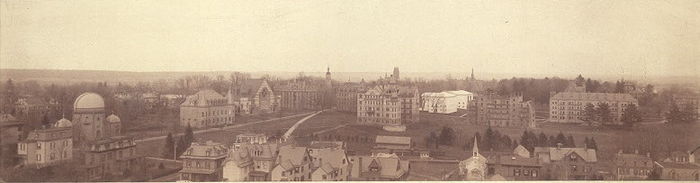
(38, 157)
(516, 172)
(573, 168)
(526, 172)
(534, 173)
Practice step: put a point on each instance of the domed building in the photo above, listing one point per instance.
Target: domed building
(89, 115)
(114, 125)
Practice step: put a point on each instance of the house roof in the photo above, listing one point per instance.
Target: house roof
(459, 92)
(679, 165)
(389, 167)
(268, 150)
(206, 150)
(518, 161)
(557, 154)
(393, 140)
(248, 88)
(202, 98)
(240, 158)
(332, 157)
(291, 156)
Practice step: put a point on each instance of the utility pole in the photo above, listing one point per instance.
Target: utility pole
(175, 150)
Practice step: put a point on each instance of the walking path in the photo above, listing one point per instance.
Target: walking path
(294, 127)
(227, 127)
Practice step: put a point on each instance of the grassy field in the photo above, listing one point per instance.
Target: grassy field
(154, 148)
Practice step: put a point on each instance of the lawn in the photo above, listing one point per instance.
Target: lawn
(154, 148)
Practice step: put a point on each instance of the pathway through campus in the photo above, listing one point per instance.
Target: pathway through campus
(291, 130)
(227, 127)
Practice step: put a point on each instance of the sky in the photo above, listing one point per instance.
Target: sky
(601, 37)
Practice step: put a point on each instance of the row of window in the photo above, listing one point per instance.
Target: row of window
(524, 173)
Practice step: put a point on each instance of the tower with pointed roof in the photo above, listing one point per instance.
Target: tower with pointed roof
(473, 168)
(472, 76)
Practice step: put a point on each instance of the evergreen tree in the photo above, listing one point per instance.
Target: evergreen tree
(587, 142)
(570, 141)
(447, 136)
(45, 121)
(168, 148)
(675, 115)
(552, 141)
(631, 116)
(561, 139)
(434, 140)
(542, 140)
(589, 113)
(593, 145)
(182, 145)
(188, 138)
(604, 114)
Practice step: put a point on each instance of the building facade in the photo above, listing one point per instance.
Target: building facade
(442, 102)
(688, 102)
(293, 164)
(301, 95)
(388, 105)
(383, 167)
(346, 96)
(329, 164)
(102, 149)
(567, 163)
(251, 162)
(517, 165)
(203, 162)
(254, 96)
(568, 107)
(632, 166)
(503, 111)
(47, 146)
(207, 108)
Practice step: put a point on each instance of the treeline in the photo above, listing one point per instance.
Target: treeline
(173, 149)
(493, 140)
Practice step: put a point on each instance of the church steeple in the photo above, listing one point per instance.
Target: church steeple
(473, 74)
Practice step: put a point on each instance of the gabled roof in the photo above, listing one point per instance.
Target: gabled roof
(202, 97)
(557, 154)
(206, 150)
(291, 156)
(331, 157)
(248, 88)
(390, 167)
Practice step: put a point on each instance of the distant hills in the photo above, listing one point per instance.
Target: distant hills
(77, 76)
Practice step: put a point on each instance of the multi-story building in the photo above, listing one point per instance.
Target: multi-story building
(251, 138)
(679, 165)
(301, 95)
(293, 164)
(632, 166)
(502, 111)
(102, 149)
(568, 107)
(329, 164)
(439, 102)
(688, 102)
(115, 155)
(32, 106)
(382, 167)
(47, 146)
(254, 96)
(207, 108)
(346, 96)
(10, 134)
(203, 162)
(567, 163)
(388, 105)
(516, 165)
(250, 162)
(445, 102)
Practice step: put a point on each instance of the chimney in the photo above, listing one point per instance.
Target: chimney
(559, 146)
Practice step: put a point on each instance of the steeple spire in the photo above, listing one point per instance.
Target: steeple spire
(472, 73)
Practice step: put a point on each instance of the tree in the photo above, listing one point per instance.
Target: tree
(447, 136)
(675, 115)
(587, 142)
(619, 87)
(168, 148)
(593, 144)
(604, 114)
(570, 142)
(589, 113)
(181, 146)
(542, 140)
(631, 116)
(45, 121)
(432, 140)
(561, 139)
(188, 138)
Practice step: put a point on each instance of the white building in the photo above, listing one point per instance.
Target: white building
(463, 98)
(442, 102)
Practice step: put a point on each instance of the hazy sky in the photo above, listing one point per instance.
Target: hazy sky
(631, 37)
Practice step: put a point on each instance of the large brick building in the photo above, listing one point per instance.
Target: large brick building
(207, 108)
(568, 107)
(346, 96)
(388, 105)
(503, 111)
(688, 102)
